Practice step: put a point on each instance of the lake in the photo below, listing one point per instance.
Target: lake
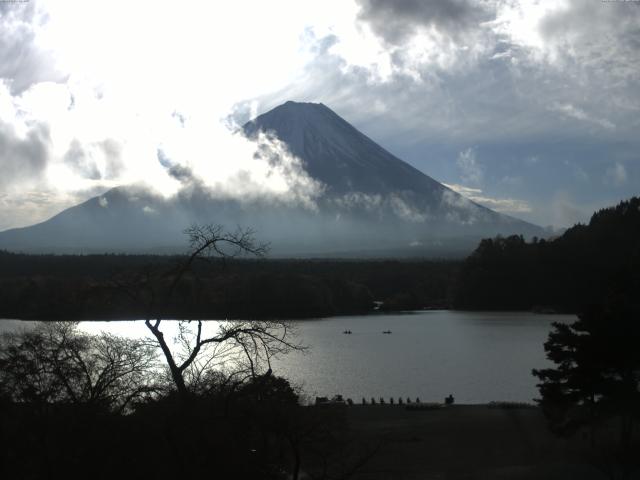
(476, 356)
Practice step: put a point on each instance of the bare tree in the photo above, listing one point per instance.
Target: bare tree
(250, 344)
(56, 363)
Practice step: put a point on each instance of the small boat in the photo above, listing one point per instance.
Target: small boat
(347, 332)
(386, 331)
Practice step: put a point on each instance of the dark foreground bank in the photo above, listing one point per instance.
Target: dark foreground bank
(474, 442)
(252, 438)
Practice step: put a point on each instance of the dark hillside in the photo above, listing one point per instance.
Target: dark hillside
(581, 266)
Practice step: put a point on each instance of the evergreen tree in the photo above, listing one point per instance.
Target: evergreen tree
(597, 371)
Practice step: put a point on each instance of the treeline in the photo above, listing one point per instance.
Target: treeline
(582, 266)
(100, 286)
(561, 275)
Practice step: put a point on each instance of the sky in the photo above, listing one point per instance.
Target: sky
(528, 107)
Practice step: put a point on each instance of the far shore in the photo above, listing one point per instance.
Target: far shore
(542, 313)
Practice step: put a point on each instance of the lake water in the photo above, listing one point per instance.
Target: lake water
(476, 356)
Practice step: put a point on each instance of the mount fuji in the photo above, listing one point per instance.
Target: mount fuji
(367, 202)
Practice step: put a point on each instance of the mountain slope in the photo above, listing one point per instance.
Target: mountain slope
(357, 172)
(337, 154)
(371, 204)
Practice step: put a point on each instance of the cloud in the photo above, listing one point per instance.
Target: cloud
(495, 80)
(113, 162)
(406, 211)
(400, 204)
(461, 209)
(601, 37)
(417, 37)
(78, 89)
(396, 21)
(571, 111)
(95, 160)
(24, 61)
(502, 205)
(23, 157)
(263, 169)
(541, 83)
(616, 175)
(359, 200)
(592, 48)
(470, 169)
(426, 79)
(79, 160)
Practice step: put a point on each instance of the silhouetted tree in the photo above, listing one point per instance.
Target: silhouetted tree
(249, 344)
(56, 363)
(597, 372)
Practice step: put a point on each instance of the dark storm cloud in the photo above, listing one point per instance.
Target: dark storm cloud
(396, 20)
(23, 158)
(22, 62)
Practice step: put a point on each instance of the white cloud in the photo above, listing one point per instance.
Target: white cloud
(470, 169)
(107, 114)
(405, 211)
(503, 205)
(355, 200)
(572, 111)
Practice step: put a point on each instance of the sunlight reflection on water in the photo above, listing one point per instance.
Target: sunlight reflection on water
(476, 356)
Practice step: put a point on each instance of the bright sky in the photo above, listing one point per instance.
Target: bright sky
(529, 107)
